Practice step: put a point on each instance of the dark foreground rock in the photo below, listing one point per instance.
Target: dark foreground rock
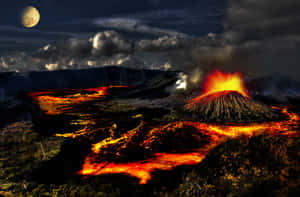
(260, 166)
(22, 150)
(12, 83)
(263, 165)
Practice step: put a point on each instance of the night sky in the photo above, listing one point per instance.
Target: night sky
(61, 19)
(266, 34)
(59, 11)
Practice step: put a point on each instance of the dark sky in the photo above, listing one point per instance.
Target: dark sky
(267, 30)
(54, 11)
(80, 18)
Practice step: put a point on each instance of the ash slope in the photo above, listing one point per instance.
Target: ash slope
(230, 106)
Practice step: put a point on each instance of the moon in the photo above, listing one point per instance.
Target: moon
(30, 17)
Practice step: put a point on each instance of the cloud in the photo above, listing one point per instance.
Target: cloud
(263, 19)
(6, 29)
(134, 25)
(106, 44)
(110, 42)
(263, 38)
(252, 58)
(160, 44)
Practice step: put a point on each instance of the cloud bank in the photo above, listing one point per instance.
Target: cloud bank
(263, 19)
(260, 38)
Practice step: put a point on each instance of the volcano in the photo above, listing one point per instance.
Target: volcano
(226, 100)
(140, 141)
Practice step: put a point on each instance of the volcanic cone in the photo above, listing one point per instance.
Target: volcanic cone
(226, 100)
(230, 106)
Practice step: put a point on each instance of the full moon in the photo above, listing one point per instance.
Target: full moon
(30, 17)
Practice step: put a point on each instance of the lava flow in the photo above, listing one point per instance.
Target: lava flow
(140, 151)
(58, 102)
(167, 161)
(65, 101)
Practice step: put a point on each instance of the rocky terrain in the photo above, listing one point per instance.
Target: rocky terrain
(35, 162)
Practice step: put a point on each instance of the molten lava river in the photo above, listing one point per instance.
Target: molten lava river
(143, 147)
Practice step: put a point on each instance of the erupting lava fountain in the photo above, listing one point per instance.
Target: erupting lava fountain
(226, 99)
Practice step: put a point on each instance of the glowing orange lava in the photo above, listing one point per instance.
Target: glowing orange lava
(219, 82)
(55, 104)
(63, 104)
(167, 161)
(63, 101)
(142, 169)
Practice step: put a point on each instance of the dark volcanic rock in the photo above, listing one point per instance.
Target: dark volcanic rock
(21, 151)
(230, 106)
(176, 138)
(86, 78)
(260, 166)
